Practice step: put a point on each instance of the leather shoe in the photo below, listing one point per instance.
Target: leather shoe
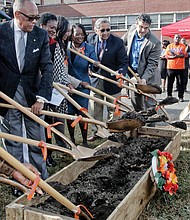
(181, 100)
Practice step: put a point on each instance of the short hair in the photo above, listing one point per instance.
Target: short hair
(45, 18)
(74, 26)
(145, 18)
(18, 4)
(100, 21)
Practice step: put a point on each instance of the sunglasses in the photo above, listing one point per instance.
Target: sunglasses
(103, 30)
(30, 18)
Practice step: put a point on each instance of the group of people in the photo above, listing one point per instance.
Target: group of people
(174, 65)
(46, 40)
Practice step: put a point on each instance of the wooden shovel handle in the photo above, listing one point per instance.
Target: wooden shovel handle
(101, 65)
(36, 143)
(91, 97)
(42, 184)
(108, 96)
(38, 120)
(133, 73)
(59, 115)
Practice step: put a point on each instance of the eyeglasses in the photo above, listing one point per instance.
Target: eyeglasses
(30, 18)
(103, 30)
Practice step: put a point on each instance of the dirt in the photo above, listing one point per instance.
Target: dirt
(102, 187)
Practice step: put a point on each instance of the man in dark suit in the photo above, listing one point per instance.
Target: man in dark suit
(28, 80)
(111, 53)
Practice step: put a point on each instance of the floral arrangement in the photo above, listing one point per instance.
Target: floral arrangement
(164, 172)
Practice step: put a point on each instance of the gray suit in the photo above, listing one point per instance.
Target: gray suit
(148, 61)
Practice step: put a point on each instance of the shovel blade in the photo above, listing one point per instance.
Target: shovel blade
(185, 112)
(94, 158)
(152, 89)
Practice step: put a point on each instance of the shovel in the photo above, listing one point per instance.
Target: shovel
(51, 147)
(144, 88)
(153, 89)
(76, 151)
(42, 184)
(176, 124)
(185, 112)
(115, 126)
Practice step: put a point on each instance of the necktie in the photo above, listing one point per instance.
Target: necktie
(101, 50)
(21, 51)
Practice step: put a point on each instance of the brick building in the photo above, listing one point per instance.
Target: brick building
(121, 13)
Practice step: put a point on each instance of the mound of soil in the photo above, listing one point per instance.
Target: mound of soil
(103, 187)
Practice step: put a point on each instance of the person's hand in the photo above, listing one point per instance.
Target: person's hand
(70, 86)
(96, 64)
(23, 180)
(84, 84)
(37, 108)
(142, 82)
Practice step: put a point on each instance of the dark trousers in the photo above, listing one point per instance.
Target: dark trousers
(180, 77)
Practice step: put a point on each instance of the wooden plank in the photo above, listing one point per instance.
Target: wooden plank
(14, 211)
(135, 201)
(34, 214)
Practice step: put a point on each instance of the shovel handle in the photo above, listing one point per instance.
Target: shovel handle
(42, 184)
(38, 120)
(100, 65)
(133, 73)
(90, 97)
(59, 115)
(36, 143)
(108, 96)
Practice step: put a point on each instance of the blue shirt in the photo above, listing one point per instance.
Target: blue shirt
(135, 50)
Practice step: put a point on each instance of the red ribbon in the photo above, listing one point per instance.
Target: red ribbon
(43, 146)
(49, 128)
(79, 211)
(76, 121)
(34, 186)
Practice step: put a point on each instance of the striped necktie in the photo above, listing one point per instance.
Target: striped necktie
(21, 50)
(101, 50)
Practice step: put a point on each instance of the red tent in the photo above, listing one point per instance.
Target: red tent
(181, 27)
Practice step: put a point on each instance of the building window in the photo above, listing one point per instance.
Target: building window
(180, 16)
(87, 22)
(73, 21)
(166, 19)
(154, 23)
(131, 19)
(117, 23)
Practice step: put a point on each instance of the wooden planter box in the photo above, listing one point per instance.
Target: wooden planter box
(130, 207)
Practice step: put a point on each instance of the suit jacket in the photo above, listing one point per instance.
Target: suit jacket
(36, 77)
(114, 57)
(149, 55)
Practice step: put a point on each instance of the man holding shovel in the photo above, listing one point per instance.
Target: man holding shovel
(111, 53)
(143, 49)
(26, 77)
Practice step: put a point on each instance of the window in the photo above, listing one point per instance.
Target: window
(73, 21)
(166, 19)
(154, 23)
(117, 23)
(131, 19)
(180, 16)
(87, 22)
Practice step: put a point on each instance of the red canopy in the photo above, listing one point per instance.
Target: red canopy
(181, 27)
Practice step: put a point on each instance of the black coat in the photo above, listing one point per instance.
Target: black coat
(114, 57)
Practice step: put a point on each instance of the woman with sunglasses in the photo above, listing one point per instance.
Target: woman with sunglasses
(79, 68)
